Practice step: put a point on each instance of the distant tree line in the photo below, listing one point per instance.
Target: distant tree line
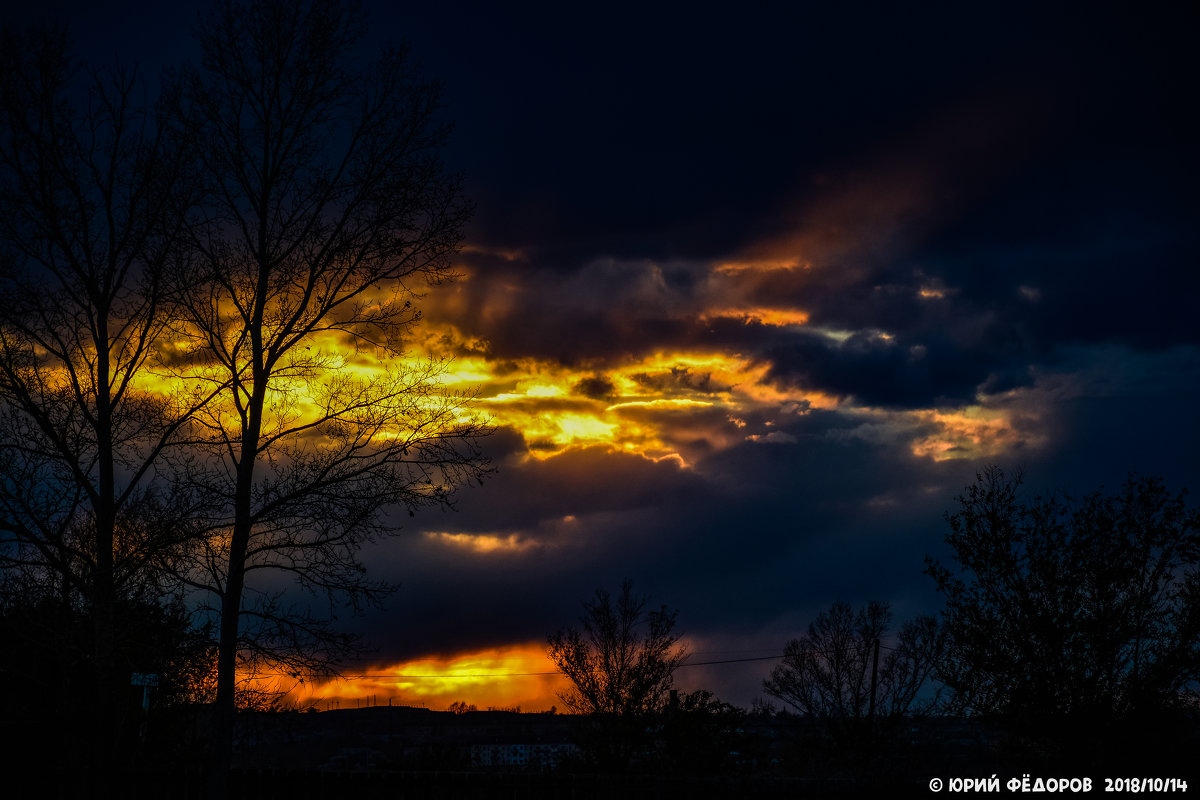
(1071, 629)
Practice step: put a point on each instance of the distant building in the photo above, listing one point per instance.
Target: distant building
(521, 755)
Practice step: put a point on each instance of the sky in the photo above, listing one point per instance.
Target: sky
(752, 292)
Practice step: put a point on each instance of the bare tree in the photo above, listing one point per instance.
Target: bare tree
(621, 663)
(622, 659)
(92, 199)
(832, 673)
(329, 211)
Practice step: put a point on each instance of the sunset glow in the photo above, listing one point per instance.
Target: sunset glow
(519, 675)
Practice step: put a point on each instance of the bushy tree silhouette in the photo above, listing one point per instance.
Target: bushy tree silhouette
(1072, 614)
(620, 662)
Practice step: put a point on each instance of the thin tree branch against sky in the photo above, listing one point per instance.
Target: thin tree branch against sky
(751, 296)
(92, 196)
(328, 210)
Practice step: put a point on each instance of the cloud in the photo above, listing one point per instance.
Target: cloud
(679, 379)
(854, 294)
(774, 437)
(878, 369)
(574, 483)
(597, 387)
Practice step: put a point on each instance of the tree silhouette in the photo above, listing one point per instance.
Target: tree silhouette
(620, 663)
(1081, 610)
(622, 659)
(92, 197)
(834, 673)
(47, 651)
(327, 212)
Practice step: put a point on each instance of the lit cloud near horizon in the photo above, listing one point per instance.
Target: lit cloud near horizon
(520, 675)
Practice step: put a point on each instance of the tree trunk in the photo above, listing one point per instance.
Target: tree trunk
(103, 589)
(231, 600)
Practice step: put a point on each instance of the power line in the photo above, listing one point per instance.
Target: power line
(730, 661)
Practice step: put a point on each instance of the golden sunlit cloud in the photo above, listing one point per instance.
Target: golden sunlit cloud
(485, 543)
(557, 407)
(466, 372)
(971, 432)
(555, 432)
(775, 317)
(544, 402)
(652, 403)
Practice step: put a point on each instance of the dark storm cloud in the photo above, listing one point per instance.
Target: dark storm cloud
(572, 483)
(910, 350)
(673, 132)
(597, 387)
(679, 379)
(931, 327)
(1121, 278)
(934, 369)
(889, 253)
(759, 532)
(526, 310)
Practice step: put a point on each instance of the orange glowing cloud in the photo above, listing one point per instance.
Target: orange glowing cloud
(971, 432)
(558, 407)
(485, 542)
(774, 317)
(506, 677)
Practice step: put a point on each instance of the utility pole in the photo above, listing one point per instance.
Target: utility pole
(874, 681)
